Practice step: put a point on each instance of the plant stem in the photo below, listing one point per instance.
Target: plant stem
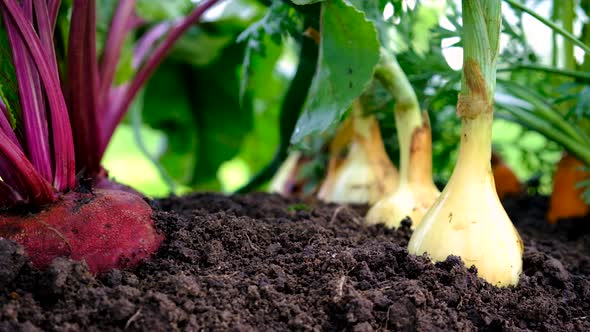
(481, 22)
(145, 44)
(550, 24)
(408, 117)
(114, 44)
(46, 28)
(53, 10)
(475, 150)
(83, 83)
(6, 128)
(34, 115)
(567, 20)
(20, 175)
(554, 44)
(361, 124)
(64, 171)
(585, 4)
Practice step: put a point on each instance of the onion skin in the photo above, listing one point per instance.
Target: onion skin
(468, 219)
(359, 170)
(416, 192)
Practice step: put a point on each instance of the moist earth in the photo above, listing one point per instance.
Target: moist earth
(265, 263)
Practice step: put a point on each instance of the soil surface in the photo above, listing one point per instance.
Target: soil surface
(261, 262)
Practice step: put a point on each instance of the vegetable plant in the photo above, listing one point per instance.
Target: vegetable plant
(416, 191)
(359, 170)
(57, 116)
(468, 219)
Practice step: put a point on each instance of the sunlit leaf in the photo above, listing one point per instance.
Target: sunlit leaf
(305, 2)
(349, 51)
(153, 11)
(258, 66)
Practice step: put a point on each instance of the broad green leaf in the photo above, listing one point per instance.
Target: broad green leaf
(373, 9)
(279, 21)
(260, 59)
(263, 39)
(349, 51)
(415, 27)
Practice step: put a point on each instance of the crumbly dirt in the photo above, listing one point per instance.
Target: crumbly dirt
(263, 263)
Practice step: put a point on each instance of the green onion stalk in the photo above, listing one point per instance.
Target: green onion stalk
(468, 219)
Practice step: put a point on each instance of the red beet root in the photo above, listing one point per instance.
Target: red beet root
(107, 229)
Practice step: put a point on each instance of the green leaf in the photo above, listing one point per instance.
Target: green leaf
(199, 47)
(167, 107)
(125, 70)
(8, 82)
(240, 13)
(260, 59)
(279, 21)
(305, 2)
(426, 21)
(373, 9)
(263, 46)
(203, 44)
(105, 9)
(388, 32)
(222, 123)
(199, 110)
(155, 11)
(349, 51)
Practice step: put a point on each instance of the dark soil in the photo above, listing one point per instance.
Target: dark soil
(260, 262)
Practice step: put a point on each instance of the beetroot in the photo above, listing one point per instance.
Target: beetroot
(107, 229)
(53, 139)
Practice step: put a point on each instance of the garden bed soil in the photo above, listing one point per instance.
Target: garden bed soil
(261, 262)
